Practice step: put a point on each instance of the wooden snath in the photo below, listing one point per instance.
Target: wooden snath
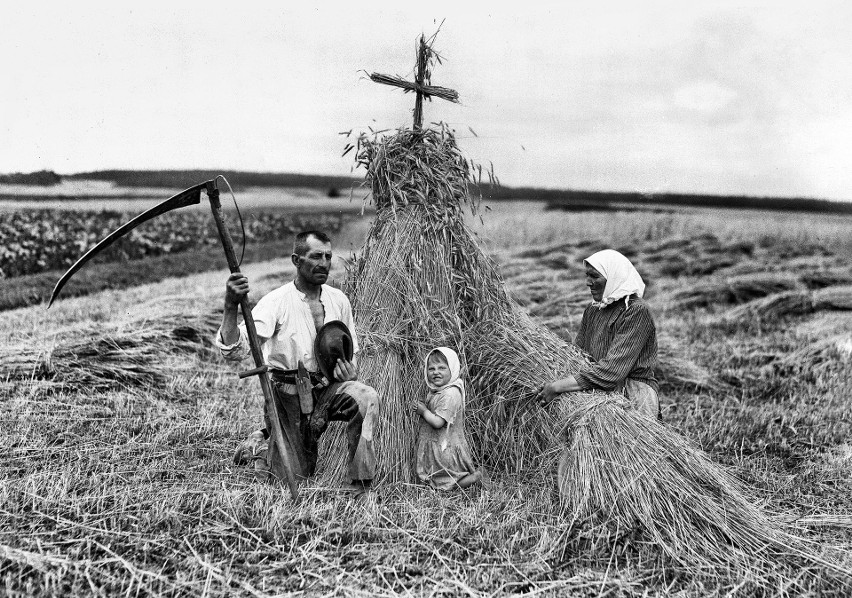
(280, 456)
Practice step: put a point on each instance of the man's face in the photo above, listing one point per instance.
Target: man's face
(313, 267)
(596, 283)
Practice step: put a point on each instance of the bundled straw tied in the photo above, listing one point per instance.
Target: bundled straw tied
(619, 473)
(772, 307)
(141, 352)
(824, 346)
(833, 298)
(434, 90)
(685, 507)
(816, 277)
(790, 303)
(676, 369)
(733, 290)
(509, 360)
(422, 84)
(421, 280)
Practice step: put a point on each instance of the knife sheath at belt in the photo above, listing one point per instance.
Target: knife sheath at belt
(305, 390)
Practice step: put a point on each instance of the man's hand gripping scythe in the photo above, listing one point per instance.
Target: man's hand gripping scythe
(280, 454)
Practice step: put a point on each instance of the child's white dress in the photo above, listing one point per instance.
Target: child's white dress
(443, 456)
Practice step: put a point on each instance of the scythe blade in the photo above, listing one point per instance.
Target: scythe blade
(183, 199)
(281, 460)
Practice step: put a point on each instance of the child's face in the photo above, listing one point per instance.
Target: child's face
(438, 371)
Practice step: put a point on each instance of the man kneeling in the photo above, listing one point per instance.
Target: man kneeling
(287, 321)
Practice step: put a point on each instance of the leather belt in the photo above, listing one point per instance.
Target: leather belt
(289, 377)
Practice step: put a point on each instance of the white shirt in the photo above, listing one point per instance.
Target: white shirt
(286, 329)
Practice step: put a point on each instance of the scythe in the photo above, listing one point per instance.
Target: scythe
(279, 456)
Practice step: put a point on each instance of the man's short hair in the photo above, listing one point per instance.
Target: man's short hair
(300, 244)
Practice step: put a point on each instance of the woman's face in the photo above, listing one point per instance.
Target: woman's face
(596, 282)
(438, 371)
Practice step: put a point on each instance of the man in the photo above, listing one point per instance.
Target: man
(287, 320)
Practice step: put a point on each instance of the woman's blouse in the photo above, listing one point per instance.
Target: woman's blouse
(622, 340)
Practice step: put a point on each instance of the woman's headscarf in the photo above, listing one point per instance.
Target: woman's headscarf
(622, 279)
(455, 369)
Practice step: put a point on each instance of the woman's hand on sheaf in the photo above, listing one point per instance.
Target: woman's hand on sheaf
(420, 407)
(547, 393)
(552, 389)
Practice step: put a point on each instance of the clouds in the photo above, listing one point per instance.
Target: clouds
(642, 96)
(717, 110)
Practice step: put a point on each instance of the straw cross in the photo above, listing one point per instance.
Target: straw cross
(422, 81)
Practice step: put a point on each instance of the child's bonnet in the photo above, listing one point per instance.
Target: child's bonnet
(455, 380)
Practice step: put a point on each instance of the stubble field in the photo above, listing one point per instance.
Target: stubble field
(119, 422)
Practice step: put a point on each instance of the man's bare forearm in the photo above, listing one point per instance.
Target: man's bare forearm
(236, 288)
(230, 331)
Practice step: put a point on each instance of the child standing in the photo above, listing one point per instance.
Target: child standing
(443, 457)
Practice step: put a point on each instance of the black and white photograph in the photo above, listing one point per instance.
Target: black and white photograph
(546, 299)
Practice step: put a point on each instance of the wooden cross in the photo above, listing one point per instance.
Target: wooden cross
(422, 82)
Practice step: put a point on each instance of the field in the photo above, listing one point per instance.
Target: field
(119, 422)
(46, 229)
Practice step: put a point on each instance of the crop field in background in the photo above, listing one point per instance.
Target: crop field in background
(119, 421)
(75, 195)
(40, 240)
(42, 235)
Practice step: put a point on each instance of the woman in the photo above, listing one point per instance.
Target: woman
(618, 332)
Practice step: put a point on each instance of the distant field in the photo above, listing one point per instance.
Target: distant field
(144, 183)
(43, 237)
(239, 179)
(102, 195)
(519, 223)
(579, 200)
(507, 224)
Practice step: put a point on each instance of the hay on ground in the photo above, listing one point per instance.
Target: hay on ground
(676, 369)
(790, 303)
(656, 481)
(833, 298)
(143, 352)
(773, 307)
(734, 290)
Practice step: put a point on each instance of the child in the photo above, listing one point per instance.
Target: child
(443, 457)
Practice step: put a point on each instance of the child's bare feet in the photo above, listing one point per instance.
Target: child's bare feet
(360, 489)
(470, 479)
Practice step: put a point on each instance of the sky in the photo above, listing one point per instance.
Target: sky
(751, 98)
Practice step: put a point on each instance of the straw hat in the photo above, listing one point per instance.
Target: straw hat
(333, 342)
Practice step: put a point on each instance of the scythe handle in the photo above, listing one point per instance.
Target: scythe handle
(281, 467)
